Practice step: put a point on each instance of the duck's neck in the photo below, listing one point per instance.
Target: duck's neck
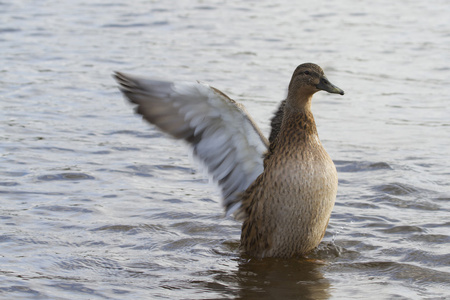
(298, 118)
(299, 100)
(298, 122)
(297, 132)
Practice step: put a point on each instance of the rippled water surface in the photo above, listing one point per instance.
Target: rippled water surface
(96, 204)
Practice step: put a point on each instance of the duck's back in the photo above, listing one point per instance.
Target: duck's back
(289, 205)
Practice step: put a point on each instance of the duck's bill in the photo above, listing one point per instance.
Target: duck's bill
(327, 86)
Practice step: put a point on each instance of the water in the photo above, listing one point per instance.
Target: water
(96, 204)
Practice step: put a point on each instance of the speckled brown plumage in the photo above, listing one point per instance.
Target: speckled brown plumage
(287, 208)
(275, 123)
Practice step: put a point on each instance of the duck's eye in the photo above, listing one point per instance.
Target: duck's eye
(307, 73)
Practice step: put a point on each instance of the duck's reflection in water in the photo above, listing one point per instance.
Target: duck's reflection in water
(269, 278)
(282, 279)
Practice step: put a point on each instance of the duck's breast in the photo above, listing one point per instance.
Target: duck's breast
(302, 193)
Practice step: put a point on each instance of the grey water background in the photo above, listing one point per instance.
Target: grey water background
(96, 204)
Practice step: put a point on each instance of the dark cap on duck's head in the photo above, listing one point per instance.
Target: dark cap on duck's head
(308, 79)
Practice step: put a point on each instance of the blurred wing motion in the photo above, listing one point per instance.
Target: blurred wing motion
(223, 136)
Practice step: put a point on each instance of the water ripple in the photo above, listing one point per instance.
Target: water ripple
(66, 176)
(361, 166)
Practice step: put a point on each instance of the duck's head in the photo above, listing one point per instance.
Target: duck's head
(308, 79)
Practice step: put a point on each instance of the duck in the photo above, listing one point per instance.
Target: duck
(283, 188)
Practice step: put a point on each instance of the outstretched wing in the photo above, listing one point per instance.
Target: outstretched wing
(223, 135)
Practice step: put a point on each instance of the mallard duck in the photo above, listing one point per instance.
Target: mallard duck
(284, 188)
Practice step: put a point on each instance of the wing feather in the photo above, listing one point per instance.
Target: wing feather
(222, 134)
